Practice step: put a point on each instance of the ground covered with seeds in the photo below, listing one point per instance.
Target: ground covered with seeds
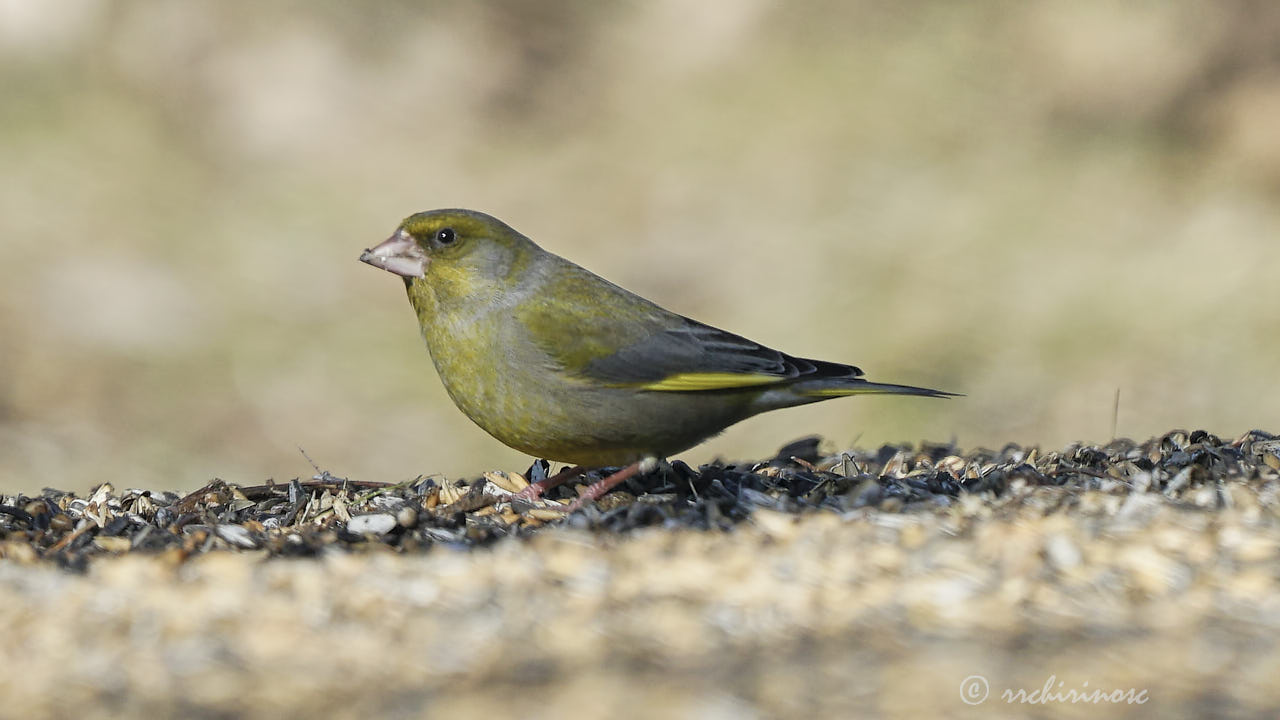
(1134, 579)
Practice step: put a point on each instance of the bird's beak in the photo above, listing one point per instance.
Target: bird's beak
(399, 254)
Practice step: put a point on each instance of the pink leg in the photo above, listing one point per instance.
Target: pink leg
(595, 490)
(535, 490)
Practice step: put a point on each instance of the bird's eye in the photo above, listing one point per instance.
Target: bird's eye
(446, 236)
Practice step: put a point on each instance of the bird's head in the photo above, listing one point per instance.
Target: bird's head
(455, 251)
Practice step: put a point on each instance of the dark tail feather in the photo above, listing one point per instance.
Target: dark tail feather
(852, 386)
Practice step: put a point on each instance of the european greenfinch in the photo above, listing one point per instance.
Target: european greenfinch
(562, 364)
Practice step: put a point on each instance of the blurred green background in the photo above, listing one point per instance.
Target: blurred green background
(1032, 203)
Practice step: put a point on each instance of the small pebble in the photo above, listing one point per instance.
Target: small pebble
(373, 524)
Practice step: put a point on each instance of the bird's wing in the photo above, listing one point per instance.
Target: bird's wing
(692, 356)
(609, 335)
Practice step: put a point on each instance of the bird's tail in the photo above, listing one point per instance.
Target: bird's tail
(840, 387)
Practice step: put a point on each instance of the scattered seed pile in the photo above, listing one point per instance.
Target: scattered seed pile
(896, 582)
(305, 518)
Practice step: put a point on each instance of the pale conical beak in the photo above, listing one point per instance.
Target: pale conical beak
(399, 254)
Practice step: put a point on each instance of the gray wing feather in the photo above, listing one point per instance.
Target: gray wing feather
(693, 347)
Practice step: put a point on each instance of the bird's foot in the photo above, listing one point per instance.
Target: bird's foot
(535, 490)
(596, 489)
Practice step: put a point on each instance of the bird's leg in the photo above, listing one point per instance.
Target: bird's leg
(535, 490)
(596, 489)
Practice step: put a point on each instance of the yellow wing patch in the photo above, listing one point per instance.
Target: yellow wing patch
(689, 382)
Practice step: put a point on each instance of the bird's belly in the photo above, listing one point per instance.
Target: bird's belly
(590, 425)
(608, 426)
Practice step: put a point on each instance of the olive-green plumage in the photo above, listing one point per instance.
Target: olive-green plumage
(560, 363)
